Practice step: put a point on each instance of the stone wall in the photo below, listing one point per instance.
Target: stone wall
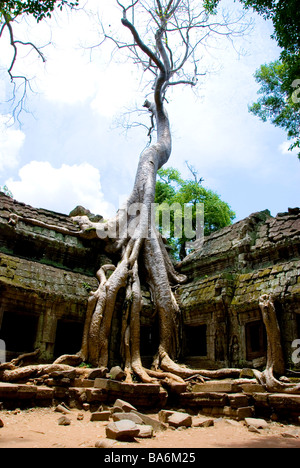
(45, 278)
(227, 275)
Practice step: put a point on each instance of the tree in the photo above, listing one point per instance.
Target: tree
(280, 100)
(165, 46)
(172, 189)
(10, 13)
(285, 16)
(280, 97)
(131, 234)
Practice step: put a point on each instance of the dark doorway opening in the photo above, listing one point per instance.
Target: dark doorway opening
(255, 339)
(196, 340)
(68, 337)
(19, 332)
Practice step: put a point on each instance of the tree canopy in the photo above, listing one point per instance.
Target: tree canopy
(38, 9)
(279, 99)
(172, 189)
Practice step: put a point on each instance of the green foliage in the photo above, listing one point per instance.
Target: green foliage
(285, 15)
(38, 9)
(6, 191)
(280, 97)
(171, 188)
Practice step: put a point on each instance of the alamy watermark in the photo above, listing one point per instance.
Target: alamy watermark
(296, 353)
(2, 352)
(296, 93)
(138, 220)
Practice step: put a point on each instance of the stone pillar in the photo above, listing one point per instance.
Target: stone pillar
(46, 334)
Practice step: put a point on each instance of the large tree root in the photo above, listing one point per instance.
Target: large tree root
(275, 362)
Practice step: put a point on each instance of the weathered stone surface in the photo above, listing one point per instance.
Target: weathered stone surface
(238, 400)
(105, 443)
(157, 425)
(64, 421)
(256, 422)
(283, 401)
(124, 405)
(116, 373)
(202, 422)
(180, 419)
(246, 412)
(100, 416)
(97, 373)
(62, 409)
(200, 399)
(253, 388)
(122, 430)
(131, 416)
(164, 415)
(145, 432)
(223, 386)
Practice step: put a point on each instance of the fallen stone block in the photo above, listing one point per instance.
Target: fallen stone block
(124, 405)
(62, 409)
(99, 372)
(164, 415)
(105, 443)
(179, 420)
(116, 373)
(202, 422)
(124, 430)
(100, 416)
(64, 421)
(256, 422)
(242, 413)
(131, 416)
(146, 432)
(1, 423)
(157, 425)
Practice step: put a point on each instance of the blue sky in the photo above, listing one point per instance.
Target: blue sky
(69, 149)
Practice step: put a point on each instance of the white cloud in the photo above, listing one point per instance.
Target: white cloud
(42, 185)
(11, 141)
(284, 148)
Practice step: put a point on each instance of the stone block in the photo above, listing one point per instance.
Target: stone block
(256, 422)
(26, 391)
(217, 386)
(124, 405)
(179, 420)
(157, 425)
(44, 393)
(8, 390)
(131, 416)
(145, 432)
(164, 415)
(238, 400)
(83, 383)
(283, 401)
(242, 413)
(253, 388)
(202, 422)
(100, 416)
(203, 399)
(122, 430)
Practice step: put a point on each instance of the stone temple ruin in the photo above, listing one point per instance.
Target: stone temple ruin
(46, 277)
